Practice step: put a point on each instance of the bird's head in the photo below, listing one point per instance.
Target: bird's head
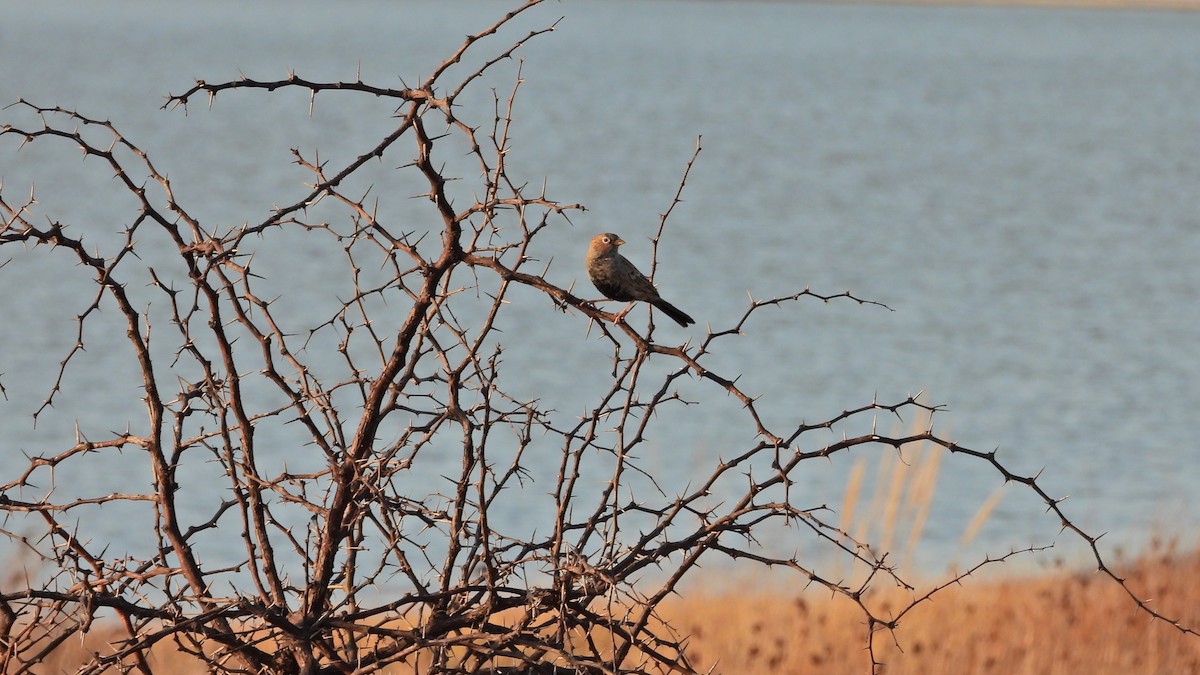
(606, 242)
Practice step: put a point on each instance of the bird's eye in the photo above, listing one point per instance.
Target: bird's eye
(607, 240)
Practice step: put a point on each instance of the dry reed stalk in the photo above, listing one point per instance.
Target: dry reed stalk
(900, 501)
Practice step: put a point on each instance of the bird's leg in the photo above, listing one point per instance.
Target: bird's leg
(621, 315)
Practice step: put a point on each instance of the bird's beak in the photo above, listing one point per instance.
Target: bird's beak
(619, 242)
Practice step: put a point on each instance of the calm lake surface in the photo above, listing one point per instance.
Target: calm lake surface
(1021, 187)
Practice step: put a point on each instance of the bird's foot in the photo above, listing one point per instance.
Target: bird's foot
(620, 316)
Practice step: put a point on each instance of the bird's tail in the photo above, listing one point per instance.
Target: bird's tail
(675, 313)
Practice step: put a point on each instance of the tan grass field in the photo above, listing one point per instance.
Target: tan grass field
(1012, 622)
(1061, 622)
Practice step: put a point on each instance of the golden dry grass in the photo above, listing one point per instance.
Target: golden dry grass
(1061, 622)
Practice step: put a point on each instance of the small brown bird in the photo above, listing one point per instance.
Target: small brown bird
(618, 279)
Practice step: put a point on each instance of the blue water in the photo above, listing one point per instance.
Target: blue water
(1018, 185)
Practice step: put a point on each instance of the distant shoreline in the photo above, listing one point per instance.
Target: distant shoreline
(1151, 5)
